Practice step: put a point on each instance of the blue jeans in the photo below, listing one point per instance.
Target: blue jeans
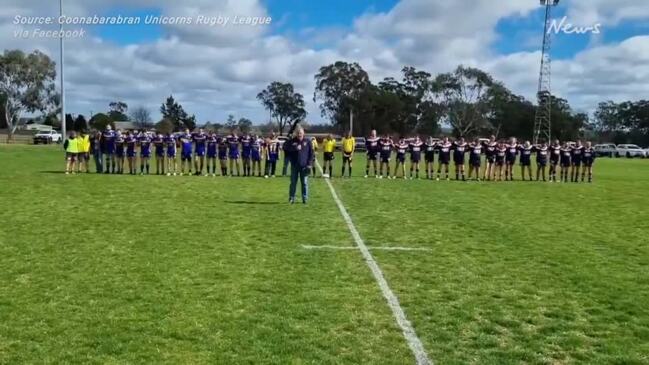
(99, 161)
(303, 174)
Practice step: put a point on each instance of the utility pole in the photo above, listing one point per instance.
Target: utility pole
(63, 126)
(543, 117)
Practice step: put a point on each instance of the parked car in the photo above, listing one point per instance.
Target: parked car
(360, 144)
(605, 149)
(47, 137)
(629, 150)
(646, 152)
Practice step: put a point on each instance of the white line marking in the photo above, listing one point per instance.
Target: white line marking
(409, 333)
(386, 248)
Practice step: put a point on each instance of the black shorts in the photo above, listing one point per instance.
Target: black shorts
(541, 163)
(71, 156)
(385, 159)
(565, 164)
(444, 161)
(458, 161)
(328, 156)
(415, 159)
(576, 163)
(491, 159)
(372, 156)
(554, 162)
(430, 157)
(347, 157)
(511, 162)
(475, 162)
(588, 163)
(526, 163)
(500, 162)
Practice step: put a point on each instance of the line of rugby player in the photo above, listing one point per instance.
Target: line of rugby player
(199, 150)
(575, 161)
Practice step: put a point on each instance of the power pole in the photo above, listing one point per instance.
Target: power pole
(63, 127)
(351, 121)
(543, 117)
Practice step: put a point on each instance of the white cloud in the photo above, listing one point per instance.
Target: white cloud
(217, 71)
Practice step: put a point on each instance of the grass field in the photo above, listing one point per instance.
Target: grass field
(131, 269)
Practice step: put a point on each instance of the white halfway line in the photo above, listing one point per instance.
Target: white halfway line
(386, 248)
(409, 333)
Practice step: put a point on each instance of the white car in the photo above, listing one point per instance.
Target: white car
(605, 149)
(629, 150)
(47, 137)
(646, 152)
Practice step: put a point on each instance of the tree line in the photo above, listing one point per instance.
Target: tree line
(467, 101)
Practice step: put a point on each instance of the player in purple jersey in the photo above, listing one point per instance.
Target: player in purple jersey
(402, 149)
(541, 159)
(271, 152)
(512, 152)
(489, 149)
(256, 150)
(475, 156)
(429, 157)
(233, 154)
(385, 150)
(526, 159)
(222, 148)
(576, 155)
(186, 146)
(172, 149)
(459, 151)
(200, 145)
(588, 158)
(119, 151)
(415, 156)
(555, 155)
(501, 155)
(566, 152)
(131, 143)
(159, 147)
(108, 149)
(144, 140)
(212, 143)
(246, 153)
(372, 147)
(444, 147)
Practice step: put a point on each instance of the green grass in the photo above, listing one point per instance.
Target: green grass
(122, 269)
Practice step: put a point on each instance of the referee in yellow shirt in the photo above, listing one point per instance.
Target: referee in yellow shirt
(328, 148)
(349, 145)
(314, 145)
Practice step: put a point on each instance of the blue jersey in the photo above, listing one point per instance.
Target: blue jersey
(526, 155)
(272, 150)
(444, 152)
(541, 155)
(402, 148)
(200, 142)
(246, 146)
(145, 146)
(459, 150)
(512, 151)
(170, 142)
(159, 144)
(475, 153)
(186, 144)
(256, 149)
(119, 145)
(415, 151)
(108, 142)
(588, 157)
(212, 143)
(130, 146)
(385, 148)
(233, 147)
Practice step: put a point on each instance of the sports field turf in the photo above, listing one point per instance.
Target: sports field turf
(132, 269)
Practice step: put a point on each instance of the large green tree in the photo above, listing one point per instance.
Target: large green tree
(340, 87)
(284, 104)
(26, 84)
(464, 95)
(174, 112)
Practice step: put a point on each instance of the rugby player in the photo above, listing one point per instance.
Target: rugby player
(588, 158)
(459, 150)
(246, 153)
(490, 158)
(444, 158)
(475, 156)
(499, 160)
(256, 147)
(108, 147)
(272, 155)
(172, 149)
(541, 159)
(131, 155)
(159, 146)
(402, 149)
(566, 153)
(212, 143)
(385, 148)
(233, 154)
(222, 147)
(200, 144)
(145, 152)
(429, 157)
(555, 156)
(119, 151)
(576, 155)
(415, 156)
(372, 147)
(512, 151)
(526, 159)
(186, 147)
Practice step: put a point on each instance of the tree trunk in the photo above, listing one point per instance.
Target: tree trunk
(11, 128)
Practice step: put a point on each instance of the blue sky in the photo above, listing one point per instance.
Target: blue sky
(216, 71)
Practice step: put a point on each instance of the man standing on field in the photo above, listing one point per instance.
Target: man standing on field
(300, 153)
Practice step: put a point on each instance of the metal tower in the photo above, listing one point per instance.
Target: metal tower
(542, 119)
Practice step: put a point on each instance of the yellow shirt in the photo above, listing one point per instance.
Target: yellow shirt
(84, 144)
(349, 144)
(314, 144)
(329, 145)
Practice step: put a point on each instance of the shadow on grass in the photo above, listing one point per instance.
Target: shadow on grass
(249, 202)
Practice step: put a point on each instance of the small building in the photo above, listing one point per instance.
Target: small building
(125, 126)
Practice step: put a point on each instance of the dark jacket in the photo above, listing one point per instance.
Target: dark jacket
(300, 153)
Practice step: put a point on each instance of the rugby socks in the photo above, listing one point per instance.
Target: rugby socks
(350, 171)
(331, 171)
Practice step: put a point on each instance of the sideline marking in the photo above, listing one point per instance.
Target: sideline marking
(409, 333)
(386, 248)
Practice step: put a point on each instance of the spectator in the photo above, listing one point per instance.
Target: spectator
(300, 154)
(71, 147)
